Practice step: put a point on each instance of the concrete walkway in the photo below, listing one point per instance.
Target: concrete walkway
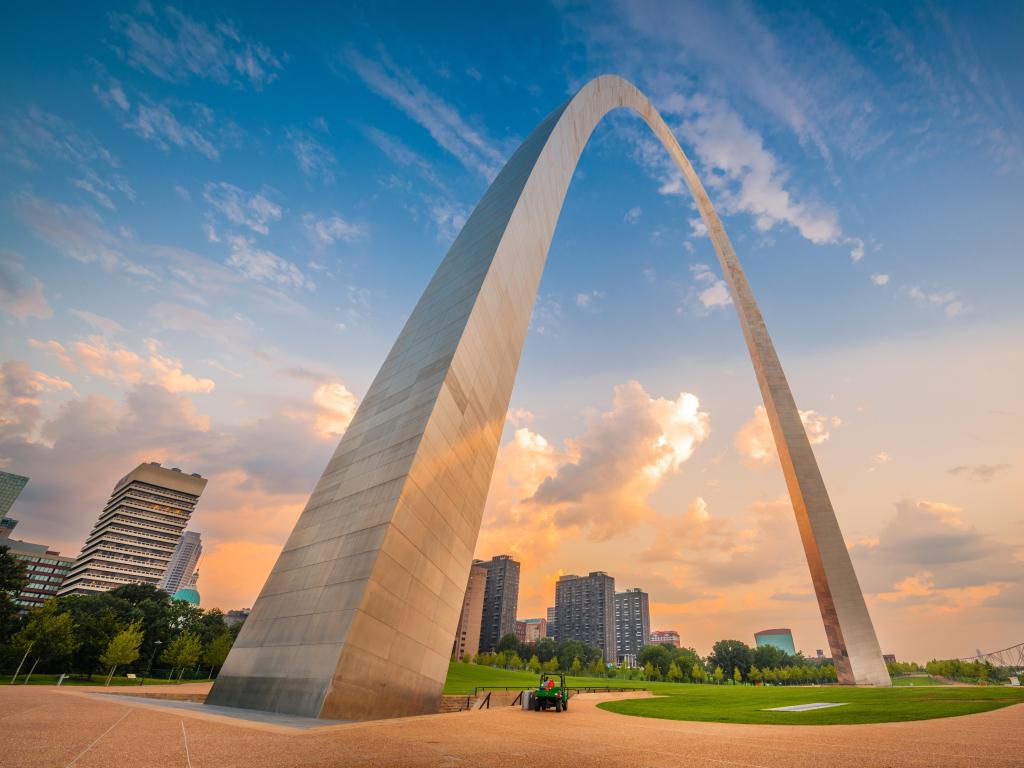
(68, 728)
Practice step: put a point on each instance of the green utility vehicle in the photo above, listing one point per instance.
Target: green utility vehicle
(551, 693)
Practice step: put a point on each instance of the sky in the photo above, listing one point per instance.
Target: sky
(215, 219)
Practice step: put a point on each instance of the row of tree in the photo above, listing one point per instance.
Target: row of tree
(730, 660)
(128, 628)
(968, 671)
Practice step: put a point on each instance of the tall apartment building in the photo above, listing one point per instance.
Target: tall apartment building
(632, 624)
(552, 621)
(183, 562)
(665, 637)
(585, 611)
(467, 636)
(44, 567)
(501, 599)
(137, 531)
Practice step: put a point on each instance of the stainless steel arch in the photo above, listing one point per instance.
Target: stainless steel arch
(357, 617)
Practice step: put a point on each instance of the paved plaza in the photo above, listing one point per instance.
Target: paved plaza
(44, 726)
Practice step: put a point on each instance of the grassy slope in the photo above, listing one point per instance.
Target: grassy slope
(462, 678)
(96, 680)
(915, 681)
(745, 704)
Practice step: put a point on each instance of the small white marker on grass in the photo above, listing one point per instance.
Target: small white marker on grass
(806, 707)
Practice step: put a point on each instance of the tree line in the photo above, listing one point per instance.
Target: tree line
(125, 630)
(729, 661)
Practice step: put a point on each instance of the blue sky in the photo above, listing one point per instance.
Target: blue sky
(215, 219)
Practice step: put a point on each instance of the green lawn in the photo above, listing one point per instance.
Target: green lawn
(746, 704)
(915, 681)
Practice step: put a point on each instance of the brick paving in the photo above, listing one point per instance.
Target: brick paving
(76, 728)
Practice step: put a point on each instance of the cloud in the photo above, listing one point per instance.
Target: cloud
(328, 231)
(948, 300)
(755, 442)
(263, 265)
(158, 124)
(33, 135)
(711, 291)
(586, 300)
(99, 322)
(979, 472)
(880, 279)
(177, 48)
(633, 215)
(248, 209)
(927, 553)
(120, 365)
(622, 458)
(314, 159)
(21, 295)
(444, 123)
(337, 407)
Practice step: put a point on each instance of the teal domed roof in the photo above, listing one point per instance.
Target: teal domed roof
(189, 594)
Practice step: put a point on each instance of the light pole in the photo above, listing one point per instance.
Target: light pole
(151, 657)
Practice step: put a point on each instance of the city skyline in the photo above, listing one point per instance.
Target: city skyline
(186, 338)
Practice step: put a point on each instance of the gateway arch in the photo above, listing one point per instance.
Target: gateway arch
(357, 617)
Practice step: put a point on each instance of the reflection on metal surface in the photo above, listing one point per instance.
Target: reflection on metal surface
(357, 617)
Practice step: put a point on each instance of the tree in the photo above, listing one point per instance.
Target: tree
(534, 664)
(183, 651)
(658, 655)
(675, 674)
(123, 648)
(47, 635)
(508, 642)
(514, 662)
(755, 675)
(697, 673)
(217, 651)
(551, 665)
(576, 666)
(545, 648)
(13, 579)
(718, 674)
(648, 671)
(596, 668)
(730, 655)
(737, 676)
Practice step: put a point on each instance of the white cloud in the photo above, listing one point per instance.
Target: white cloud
(264, 265)
(314, 159)
(329, 230)
(755, 442)
(879, 279)
(99, 322)
(711, 291)
(241, 208)
(857, 252)
(336, 408)
(156, 123)
(952, 306)
(178, 48)
(444, 123)
(21, 295)
(586, 300)
(633, 215)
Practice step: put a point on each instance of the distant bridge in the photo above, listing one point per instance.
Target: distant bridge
(1011, 658)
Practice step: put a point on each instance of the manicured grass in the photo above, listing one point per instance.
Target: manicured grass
(915, 681)
(746, 704)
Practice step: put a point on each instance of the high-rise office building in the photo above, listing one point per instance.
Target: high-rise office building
(183, 562)
(585, 611)
(467, 636)
(10, 488)
(665, 637)
(137, 531)
(632, 624)
(501, 599)
(552, 621)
